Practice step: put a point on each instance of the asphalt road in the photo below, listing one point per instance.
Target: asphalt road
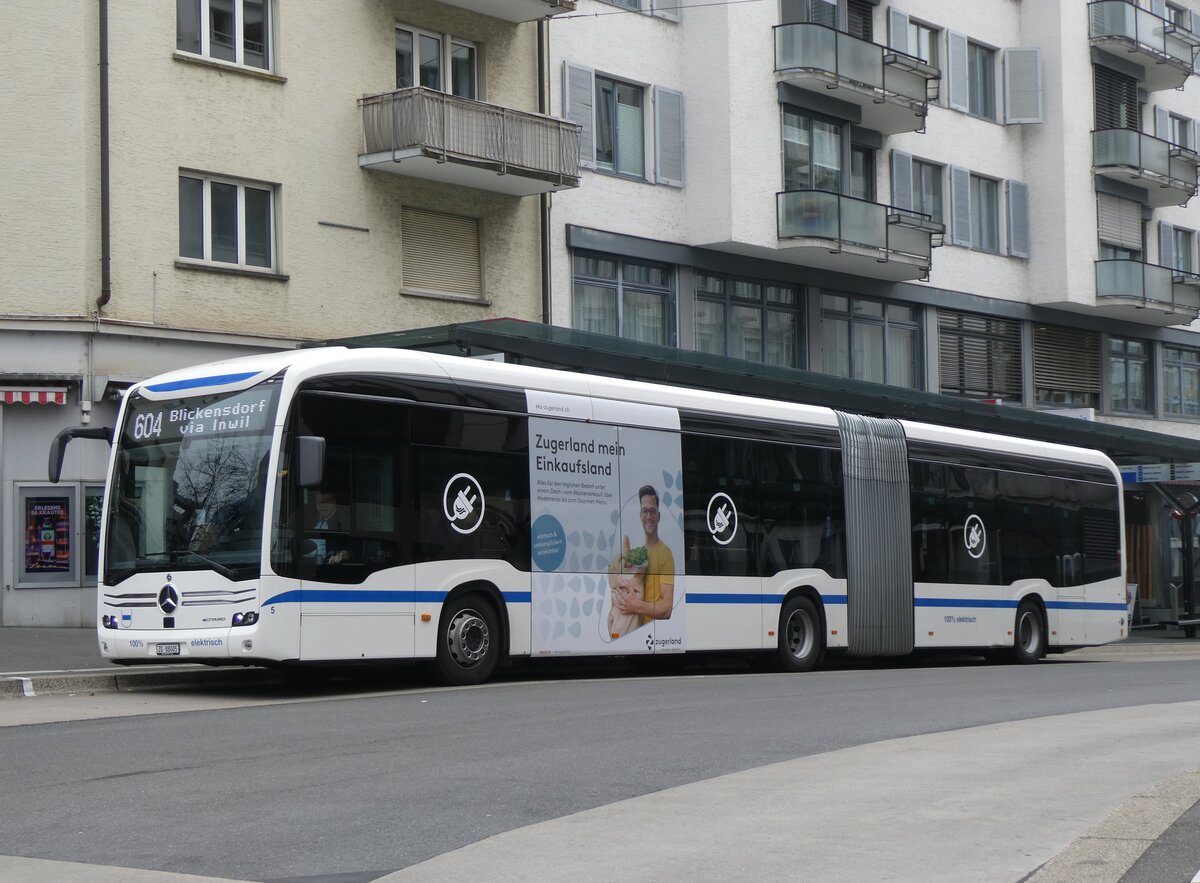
(283, 784)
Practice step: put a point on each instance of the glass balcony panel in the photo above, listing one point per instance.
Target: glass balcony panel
(1119, 278)
(1156, 155)
(864, 223)
(860, 61)
(906, 83)
(805, 46)
(809, 213)
(1158, 285)
(1124, 20)
(910, 241)
(1115, 147)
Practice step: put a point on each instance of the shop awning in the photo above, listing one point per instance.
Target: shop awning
(33, 395)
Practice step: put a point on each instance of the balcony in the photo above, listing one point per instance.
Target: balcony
(428, 134)
(515, 10)
(1166, 51)
(1166, 171)
(851, 235)
(892, 89)
(1134, 291)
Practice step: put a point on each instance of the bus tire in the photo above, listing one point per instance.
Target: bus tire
(468, 641)
(800, 635)
(1029, 634)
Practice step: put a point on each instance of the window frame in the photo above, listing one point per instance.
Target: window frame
(920, 172)
(913, 34)
(981, 92)
(809, 119)
(857, 320)
(620, 286)
(203, 10)
(446, 74)
(1126, 359)
(1174, 360)
(730, 300)
(206, 219)
(977, 182)
(613, 168)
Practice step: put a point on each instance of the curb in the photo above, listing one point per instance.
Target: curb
(28, 686)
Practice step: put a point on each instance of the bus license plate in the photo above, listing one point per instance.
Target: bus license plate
(166, 649)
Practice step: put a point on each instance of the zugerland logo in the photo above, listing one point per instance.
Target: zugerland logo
(654, 644)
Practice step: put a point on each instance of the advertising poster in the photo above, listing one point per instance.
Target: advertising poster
(607, 541)
(47, 535)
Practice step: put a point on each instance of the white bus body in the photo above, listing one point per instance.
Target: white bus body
(484, 511)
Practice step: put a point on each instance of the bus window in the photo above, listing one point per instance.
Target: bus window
(803, 509)
(719, 472)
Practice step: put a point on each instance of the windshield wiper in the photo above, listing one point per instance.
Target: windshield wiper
(227, 572)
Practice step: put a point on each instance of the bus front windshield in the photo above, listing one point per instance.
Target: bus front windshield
(188, 488)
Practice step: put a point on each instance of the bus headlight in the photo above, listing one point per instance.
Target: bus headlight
(110, 622)
(245, 618)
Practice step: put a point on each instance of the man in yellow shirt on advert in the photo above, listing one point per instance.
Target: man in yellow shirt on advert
(658, 596)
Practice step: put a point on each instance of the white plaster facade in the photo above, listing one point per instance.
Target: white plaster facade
(721, 56)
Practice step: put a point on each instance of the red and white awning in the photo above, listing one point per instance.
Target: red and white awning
(33, 395)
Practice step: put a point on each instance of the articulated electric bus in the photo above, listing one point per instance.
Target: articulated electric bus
(333, 505)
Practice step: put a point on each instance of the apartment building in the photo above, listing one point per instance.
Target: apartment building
(207, 178)
(991, 200)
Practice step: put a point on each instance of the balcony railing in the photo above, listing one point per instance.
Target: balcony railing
(1173, 295)
(1166, 50)
(431, 134)
(515, 10)
(838, 224)
(1167, 172)
(892, 89)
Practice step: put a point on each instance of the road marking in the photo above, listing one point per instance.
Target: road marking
(1196, 879)
(27, 686)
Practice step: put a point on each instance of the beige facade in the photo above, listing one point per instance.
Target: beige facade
(291, 128)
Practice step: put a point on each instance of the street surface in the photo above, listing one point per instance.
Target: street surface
(954, 770)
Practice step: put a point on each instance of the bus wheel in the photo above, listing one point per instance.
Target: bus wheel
(469, 643)
(800, 636)
(1029, 635)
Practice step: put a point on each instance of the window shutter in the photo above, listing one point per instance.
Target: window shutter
(860, 15)
(902, 180)
(579, 96)
(1162, 123)
(960, 206)
(1117, 104)
(1066, 359)
(440, 253)
(1023, 85)
(668, 136)
(1119, 221)
(897, 29)
(979, 356)
(956, 70)
(1166, 245)
(668, 9)
(1018, 219)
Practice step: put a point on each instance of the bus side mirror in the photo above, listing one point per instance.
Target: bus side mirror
(310, 460)
(58, 447)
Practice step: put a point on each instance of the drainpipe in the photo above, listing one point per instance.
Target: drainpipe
(105, 243)
(544, 198)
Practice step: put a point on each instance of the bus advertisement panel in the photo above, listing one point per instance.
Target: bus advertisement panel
(607, 534)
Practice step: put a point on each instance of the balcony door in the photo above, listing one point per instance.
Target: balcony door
(812, 152)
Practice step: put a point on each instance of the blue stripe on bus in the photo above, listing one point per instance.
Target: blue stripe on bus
(1086, 605)
(197, 382)
(376, 596)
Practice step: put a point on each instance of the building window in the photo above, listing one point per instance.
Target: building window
(435, 61)
(923, 42)
(985, 214)
(441, 255)
(1180, 132)
(225, 221)
(812, 152)
(859, 14)
(1066, 366)
(979, 357)
(620, 127)
(870, 340)
(820, 12)
(1181, 382)
(1178, 16)
(237, 31)
(756, 321)
(1128, 374)
(862, 172)
(1116, 98)
(622, 298)
(981, 81)
(635, 5)
(1182, 250)
(927, 189)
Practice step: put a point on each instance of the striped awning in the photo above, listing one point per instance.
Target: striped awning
(33, 395)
